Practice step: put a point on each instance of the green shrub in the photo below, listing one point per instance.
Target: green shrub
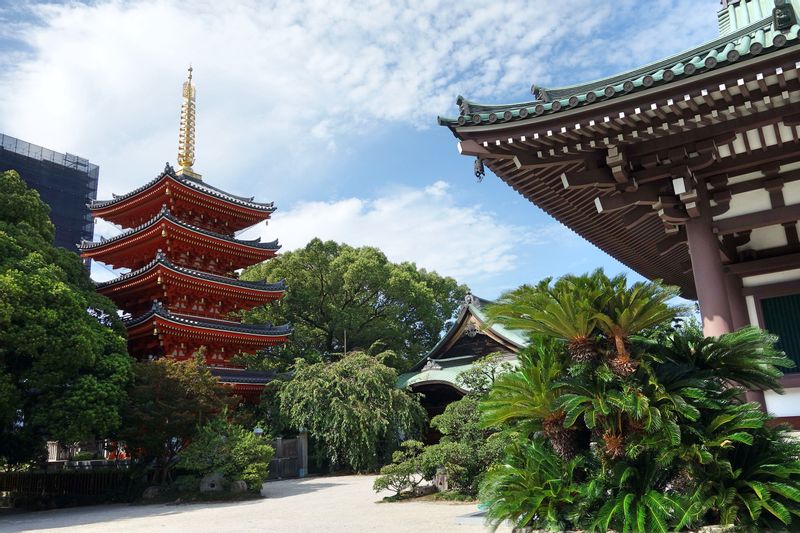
(231, 450)
(187, 483)
(83, 456)
(623, 418)
(403, 474)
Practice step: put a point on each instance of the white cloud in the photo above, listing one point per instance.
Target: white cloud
(424, 225)
(282, 84)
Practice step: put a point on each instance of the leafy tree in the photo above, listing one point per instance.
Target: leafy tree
(402, 474)
(338, 290)
(352, 408)
(168, 400)
(650, 433)
(467, 449)
(230, 449)
(63, 359)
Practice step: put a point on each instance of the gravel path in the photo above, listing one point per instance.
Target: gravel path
(328, 504)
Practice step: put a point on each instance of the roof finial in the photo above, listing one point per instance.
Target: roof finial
(186, 135)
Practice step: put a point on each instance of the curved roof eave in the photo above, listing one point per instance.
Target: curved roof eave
(164, 213)
(266, 330)
(169, 172)
(751, 41)
(161, 258)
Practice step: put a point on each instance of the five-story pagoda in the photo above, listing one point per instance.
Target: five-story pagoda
(183, 254)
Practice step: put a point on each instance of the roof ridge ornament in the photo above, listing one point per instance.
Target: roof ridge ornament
(187, 128)
(783, 16)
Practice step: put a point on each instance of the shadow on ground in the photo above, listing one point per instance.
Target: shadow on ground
(287, 488)
(94, 514)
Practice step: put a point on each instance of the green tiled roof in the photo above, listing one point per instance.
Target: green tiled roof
(432, 369)
(743, 43)
(512, 335)
(449, 371)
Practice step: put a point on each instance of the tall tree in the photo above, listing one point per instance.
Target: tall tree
(63, 360)
(169, 400)
(337, 290)
(352, 408)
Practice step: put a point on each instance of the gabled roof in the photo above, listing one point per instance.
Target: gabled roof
(267, 330)
(164, 214)
(161, 259)
(472, 307)
(198, 185)
(752, 40)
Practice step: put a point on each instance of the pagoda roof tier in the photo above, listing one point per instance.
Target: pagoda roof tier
(208, 205)
(134, 248)
(158, 277)
(245, 337)
(239, 376)
(754, 40)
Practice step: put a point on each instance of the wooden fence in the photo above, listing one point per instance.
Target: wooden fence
(72, 483)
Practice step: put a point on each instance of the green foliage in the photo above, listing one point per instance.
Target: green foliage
(168, 400)
(635, 502)
(352, 408)
(230, 449)
(402, 474)
(651, 433)
(533, 487)
(467, 448)
(480, 376)
(63, 359)
(528, 395)
(336, 289)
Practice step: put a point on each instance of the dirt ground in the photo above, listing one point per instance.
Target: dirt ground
(321, 504)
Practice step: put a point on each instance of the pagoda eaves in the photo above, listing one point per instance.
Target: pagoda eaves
(186, 245)
(177, 288)
(191, 200)
(180, 336)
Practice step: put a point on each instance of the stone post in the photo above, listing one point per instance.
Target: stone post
(302, 452)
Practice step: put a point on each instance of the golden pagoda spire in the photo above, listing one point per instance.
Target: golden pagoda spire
(186, 136)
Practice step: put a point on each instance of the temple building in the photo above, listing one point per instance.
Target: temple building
(181, 249)
(469, 339)
(686, 169)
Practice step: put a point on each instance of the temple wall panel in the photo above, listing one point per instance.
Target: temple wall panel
(766, 238)
(786, 404)
(746, 203)
(791, 192)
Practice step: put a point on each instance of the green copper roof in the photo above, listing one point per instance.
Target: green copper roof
(741, 43)
(444, 371)
(512, 335)
(431, 369)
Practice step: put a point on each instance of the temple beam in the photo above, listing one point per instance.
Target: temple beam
(760, 219)
(645, 195)
(599, 178)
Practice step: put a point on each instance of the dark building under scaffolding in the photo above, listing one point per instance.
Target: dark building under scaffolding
(66, 182)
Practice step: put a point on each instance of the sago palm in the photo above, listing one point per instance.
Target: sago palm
(747, 357)
(755, 486)
(533, 487)
(631, 310)
(565, 310)
(635, 504)
(526, 399)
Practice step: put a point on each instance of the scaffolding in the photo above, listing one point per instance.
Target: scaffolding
(66, 182)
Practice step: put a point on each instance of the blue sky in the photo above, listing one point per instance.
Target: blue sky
(329, 109)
